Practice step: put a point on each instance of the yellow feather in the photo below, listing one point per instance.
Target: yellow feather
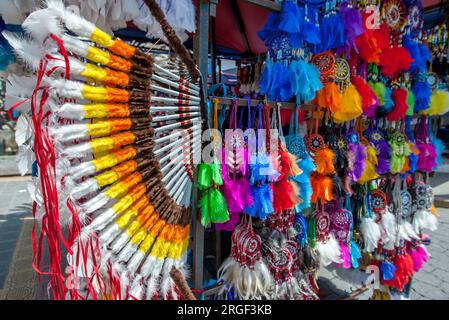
(370, 166)
(351, 105)
(439, 103)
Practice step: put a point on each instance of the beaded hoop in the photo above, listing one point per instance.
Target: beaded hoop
(432, 80)
(314, 142)
(379, 203)
(406, 204)
(423, 196)
(325, 62)
(341, 219)
(342, 71)
(394, 14)
(415, 18)
(295, 145)
(323, 223)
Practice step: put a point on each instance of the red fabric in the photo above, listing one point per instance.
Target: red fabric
(227, 31)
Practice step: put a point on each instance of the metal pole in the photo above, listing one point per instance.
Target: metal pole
(201, 46)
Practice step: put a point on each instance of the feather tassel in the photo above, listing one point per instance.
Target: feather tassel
(371, 234)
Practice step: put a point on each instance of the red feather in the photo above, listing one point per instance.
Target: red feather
(400, 107)
(369, 99)
(394, 60)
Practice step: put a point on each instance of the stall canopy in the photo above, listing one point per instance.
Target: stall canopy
(237, 23)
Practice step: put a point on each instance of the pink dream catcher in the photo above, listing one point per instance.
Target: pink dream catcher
(234, 166)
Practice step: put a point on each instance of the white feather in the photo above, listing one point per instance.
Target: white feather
(100, 221)
(137, 290)
(69, 132)
(65, 88)
(25, 159)
(77, 151)
(388, 230)
(84, 188)
(329, 251)
(24, 130)
(73, 22)
(20, 86)
(35, 192)
(152, 286)
(42, 23)
(25, 49)
(167, 283)
(135, 261)
(96, 203)
(371, 234)
(71, 111)
(423, 219)
(406, 231)
(82, 170)
(127, 252)
(76, 46)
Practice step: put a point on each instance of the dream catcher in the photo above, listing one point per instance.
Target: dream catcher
(262, 174)
(423, 218)
(112, 169)
(326, 245)
(325, 62)
(282, 254)
(285, 193)
(339, 147)
(376, 138)
(394, 59)
(402, 208)
(296, 146)
(433, 80)
(342, 72)
(415, 18)
(234, 166)
(212, 204)
(379, 204)
(244, 272)
(427, 153)
(356, 155)
(341, 224)
(394, 14)
(400, 150)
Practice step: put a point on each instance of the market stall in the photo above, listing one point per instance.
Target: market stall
(145, 166)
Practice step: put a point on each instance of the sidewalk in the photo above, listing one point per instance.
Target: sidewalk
(18, 280)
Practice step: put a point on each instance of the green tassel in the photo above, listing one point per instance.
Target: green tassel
(379, 89)
(216, 173)
(204, 176)
(411, 103)
(311, 232)
(204, 205)
(218, 208)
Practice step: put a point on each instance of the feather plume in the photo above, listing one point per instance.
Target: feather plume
(439, 103)
(406, 231)
(371, 234)
(42, 23)
(369, 98)
(423, 219)
(329, 251)
(369, 173)
(351, 105)
(322, 188)
(324, 161)
(400, 107)
(388, 230)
